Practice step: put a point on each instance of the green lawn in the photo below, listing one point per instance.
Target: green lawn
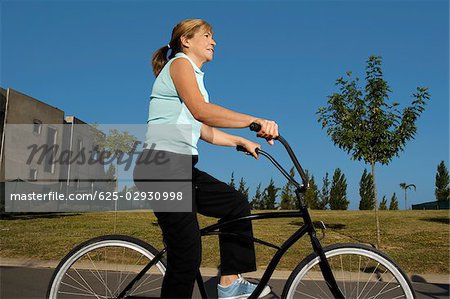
(417, 240)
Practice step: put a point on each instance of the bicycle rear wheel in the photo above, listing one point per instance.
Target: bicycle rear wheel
(102, 267)
(360, 271)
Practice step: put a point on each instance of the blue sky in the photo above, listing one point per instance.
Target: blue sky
(274, 59)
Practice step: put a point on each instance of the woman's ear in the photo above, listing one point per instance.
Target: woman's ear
(184, 41)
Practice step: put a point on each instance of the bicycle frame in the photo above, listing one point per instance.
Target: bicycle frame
(306, 228)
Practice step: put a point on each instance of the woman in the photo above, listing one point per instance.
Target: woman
(179, 97)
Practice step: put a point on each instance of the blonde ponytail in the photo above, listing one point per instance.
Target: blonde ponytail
(159, 60)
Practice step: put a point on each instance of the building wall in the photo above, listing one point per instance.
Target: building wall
(82, 174)
(2, 121)
(22, 112)
(30, 122)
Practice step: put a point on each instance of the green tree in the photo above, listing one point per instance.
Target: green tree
(324, 195)
(442, 190)
(257, 201)
(111, 178)
(270, 195)
(231, 183)
(288, 199)
(338, 192)
(383, 204)
(393, 205)
(312, 195)
(366, 192)
(243, 188)
(405, 187)
(366, 126)
(116, 144)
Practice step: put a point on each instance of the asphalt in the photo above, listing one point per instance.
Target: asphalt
(31, 282)
(278, 274)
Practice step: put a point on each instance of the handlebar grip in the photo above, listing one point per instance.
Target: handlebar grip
(255, 127)
(240, 148)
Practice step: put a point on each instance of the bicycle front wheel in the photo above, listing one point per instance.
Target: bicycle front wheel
(360, 272)
(102, 267)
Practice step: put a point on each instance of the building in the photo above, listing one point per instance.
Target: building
(34, 135)
(432, 205)
(44, 124)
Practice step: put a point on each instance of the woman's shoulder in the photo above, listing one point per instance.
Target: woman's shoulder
(181, 65)
(176, 61)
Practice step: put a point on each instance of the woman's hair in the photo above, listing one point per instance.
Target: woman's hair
(185, 28)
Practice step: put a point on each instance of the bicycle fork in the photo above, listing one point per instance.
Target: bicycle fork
(317, 247)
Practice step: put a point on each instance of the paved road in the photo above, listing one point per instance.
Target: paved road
(21, 282)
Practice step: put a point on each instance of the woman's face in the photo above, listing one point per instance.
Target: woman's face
(201, 46)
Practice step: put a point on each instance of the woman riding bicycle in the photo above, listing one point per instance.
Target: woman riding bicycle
(180, 98)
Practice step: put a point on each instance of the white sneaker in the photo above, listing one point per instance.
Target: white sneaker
(239, 289)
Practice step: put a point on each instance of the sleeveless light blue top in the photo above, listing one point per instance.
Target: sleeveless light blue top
(170, 125)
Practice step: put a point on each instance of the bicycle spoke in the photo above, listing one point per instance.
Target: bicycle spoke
(87, 284)
(363, 271)
(117, 290)
(106, 277)
(68, 293)
(342, 270)
(129, 273)
(401, 296)
(376, 276)
(147, 291)
(314, 281)
(368, 280)
(307, 295)
(120, 277)
(100, 278)
(142, 284)
(83, 286)
(359, 272)
(74, 287)
(378, 280)
(381, 291)
(103, 266)
(391, 289)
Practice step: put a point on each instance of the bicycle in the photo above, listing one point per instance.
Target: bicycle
(91, 269)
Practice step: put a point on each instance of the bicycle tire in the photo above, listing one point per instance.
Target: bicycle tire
(94, 273)
(386, 279)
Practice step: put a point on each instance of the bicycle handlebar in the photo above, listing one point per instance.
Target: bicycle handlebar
(256, 128)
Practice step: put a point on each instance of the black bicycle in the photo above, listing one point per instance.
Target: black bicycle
(116, 266)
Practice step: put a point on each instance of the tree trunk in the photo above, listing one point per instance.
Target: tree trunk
(406, 199)
(116, 189)
(376, 205)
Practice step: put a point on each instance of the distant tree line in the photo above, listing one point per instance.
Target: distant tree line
(333, 194)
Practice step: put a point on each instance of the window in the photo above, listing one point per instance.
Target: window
(49, 165)
(37, 126)
(33, 174)
(95, 153)
(80, 145)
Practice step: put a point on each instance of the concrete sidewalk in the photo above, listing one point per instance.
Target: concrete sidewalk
(211, 272)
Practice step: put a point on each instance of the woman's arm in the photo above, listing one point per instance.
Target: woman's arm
(183, 77)
(218, 137)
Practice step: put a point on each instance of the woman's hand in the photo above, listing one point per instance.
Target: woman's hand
(250, 146)
(269, 129)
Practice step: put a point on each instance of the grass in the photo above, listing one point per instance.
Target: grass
(417, 240)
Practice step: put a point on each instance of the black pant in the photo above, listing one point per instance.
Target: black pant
(182, 235)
